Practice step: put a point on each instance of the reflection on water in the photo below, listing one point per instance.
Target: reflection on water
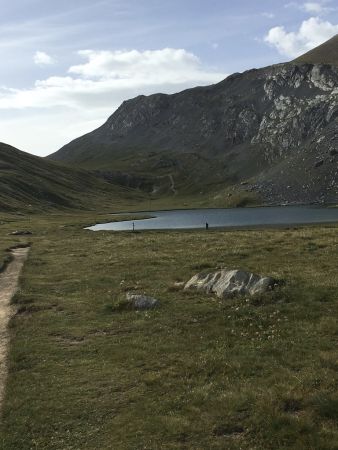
(239, 217)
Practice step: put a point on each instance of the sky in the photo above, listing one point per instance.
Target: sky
(68, 65)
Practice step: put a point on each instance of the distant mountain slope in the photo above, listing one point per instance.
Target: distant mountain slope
(31, 183)
(271, 132)
(326, 53)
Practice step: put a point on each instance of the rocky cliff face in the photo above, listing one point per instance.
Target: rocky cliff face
(272, 132)
(301, 103)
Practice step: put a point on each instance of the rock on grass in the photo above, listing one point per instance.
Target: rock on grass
(141, 302)
(228, 283)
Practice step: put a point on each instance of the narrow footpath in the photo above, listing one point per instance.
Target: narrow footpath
(9, 280)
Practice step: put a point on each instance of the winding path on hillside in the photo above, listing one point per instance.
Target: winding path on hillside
(172, 186)
(9, 281)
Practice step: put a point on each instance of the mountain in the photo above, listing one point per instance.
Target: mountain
(270, 134)
(326, 53)
(31, 183)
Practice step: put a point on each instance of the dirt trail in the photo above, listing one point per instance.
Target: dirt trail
(172, 187)
(9, 280)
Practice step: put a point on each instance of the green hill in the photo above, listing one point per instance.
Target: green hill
(326, 53)
(28, 182)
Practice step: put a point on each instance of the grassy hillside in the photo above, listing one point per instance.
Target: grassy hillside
(326, 53)
(196, 373)
(29, 183)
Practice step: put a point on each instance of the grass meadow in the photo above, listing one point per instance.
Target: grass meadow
(196, 373)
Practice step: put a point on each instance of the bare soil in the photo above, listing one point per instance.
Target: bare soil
(9, 281)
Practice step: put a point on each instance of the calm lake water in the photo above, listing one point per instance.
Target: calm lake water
(216, 218)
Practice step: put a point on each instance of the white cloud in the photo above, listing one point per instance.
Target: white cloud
(166, 65)
(314, 8)
(108, 77)
(99, 85)
(317, 8)
(43, 59)
(311, 33)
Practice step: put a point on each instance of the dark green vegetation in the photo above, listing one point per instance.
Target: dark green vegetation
(270, 133)
(326, 53)
(197, 373)
(31, 183)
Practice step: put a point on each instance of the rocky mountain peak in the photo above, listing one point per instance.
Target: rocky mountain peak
(276, 127)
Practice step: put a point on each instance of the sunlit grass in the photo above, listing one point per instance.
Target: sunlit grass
(197, 372)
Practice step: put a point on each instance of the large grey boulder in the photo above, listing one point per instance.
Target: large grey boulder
(228, 283)
(141, 302)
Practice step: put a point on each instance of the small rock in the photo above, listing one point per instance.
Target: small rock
(228, 283)
(141, 302)
(179, 284)
(319, 163)
(20, 233)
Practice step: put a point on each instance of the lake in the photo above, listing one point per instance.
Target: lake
(223, 218)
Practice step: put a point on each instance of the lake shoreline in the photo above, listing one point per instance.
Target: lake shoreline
(212, 208)
(221, 218)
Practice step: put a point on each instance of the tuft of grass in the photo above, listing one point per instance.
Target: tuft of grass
(6, 259)
(201, 266)
(326, 405)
